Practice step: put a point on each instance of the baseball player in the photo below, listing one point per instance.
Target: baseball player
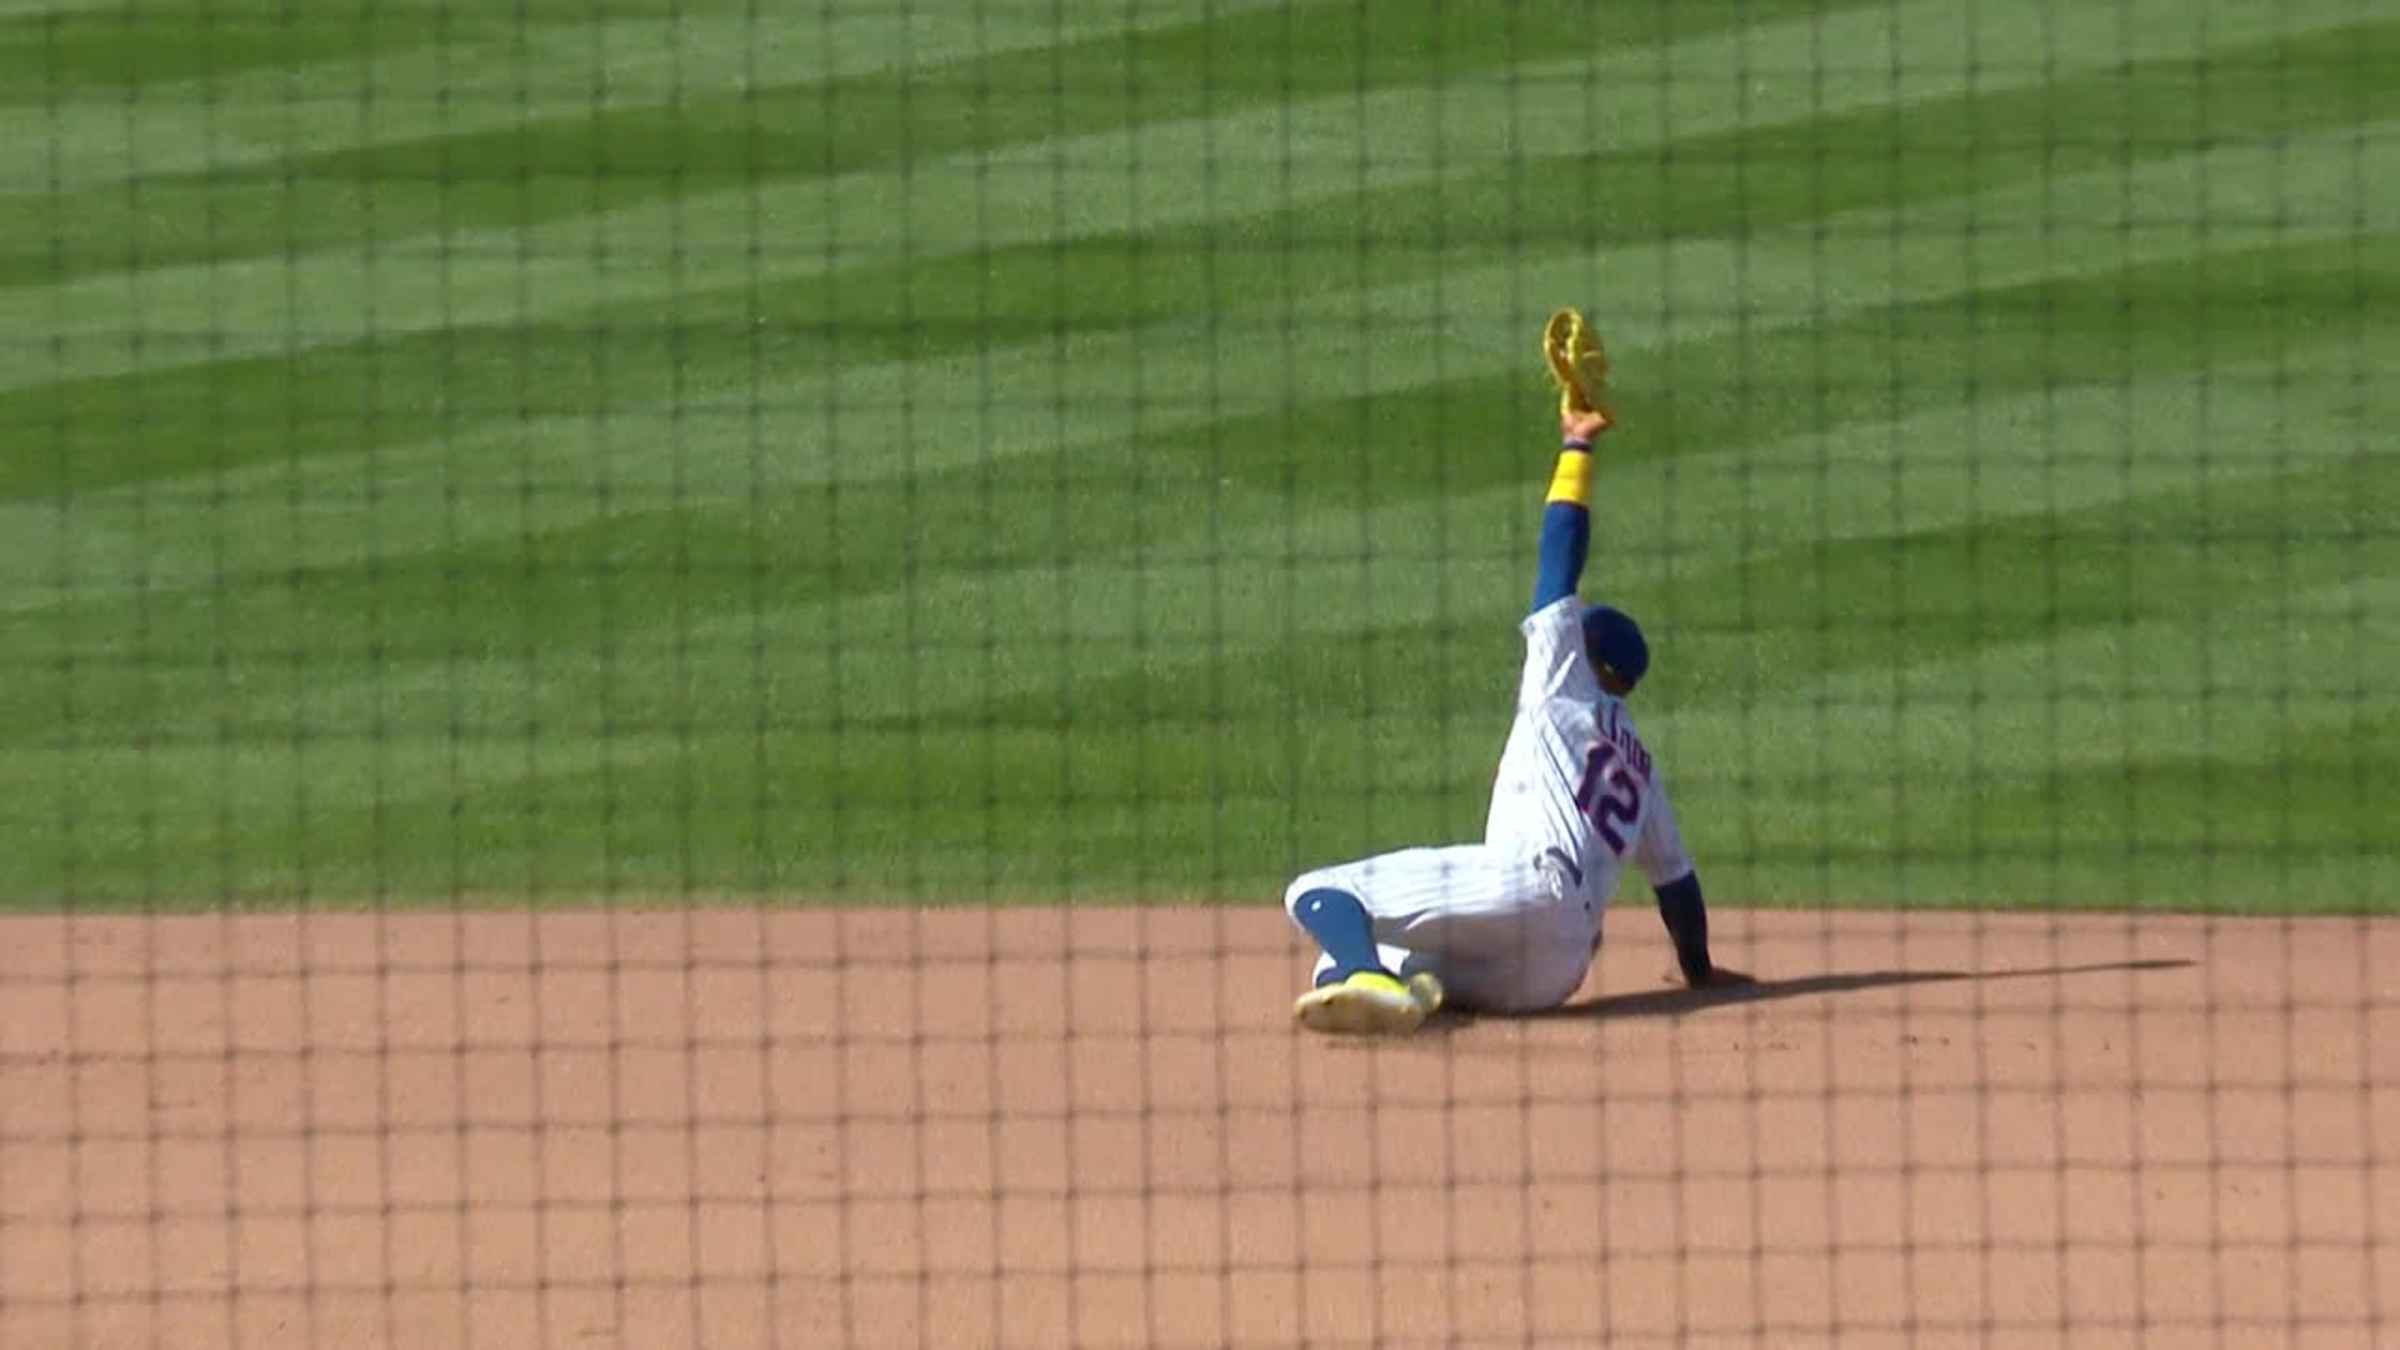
(1511, 924)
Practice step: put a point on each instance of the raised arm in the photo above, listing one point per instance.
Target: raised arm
(1567, 515)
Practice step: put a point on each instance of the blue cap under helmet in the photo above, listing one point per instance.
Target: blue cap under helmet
(1614, 641)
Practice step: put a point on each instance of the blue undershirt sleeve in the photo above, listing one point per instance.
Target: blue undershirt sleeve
(1686, 917)
(1566, 540)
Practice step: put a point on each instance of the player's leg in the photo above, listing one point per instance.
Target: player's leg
(1397, 960)
(1362, 985)
(1517, 939)
(1327, 908)
(1488, 926)
(1549, 955)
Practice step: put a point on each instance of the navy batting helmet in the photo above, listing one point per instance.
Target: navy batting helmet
(1614, 642)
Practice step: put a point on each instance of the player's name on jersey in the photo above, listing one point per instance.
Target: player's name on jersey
(1616, 731)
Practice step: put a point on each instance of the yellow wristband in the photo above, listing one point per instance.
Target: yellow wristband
(1573, 480)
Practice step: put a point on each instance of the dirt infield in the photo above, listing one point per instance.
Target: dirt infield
(1044, 1129)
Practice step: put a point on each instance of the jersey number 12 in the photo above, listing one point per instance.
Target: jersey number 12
(1620, 805)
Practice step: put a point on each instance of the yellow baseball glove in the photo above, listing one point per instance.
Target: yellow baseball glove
(1578, 364)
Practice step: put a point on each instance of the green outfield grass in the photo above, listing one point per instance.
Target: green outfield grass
(997, 451)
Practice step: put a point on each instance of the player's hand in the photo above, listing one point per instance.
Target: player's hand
(1583, 426)
(1718, 977)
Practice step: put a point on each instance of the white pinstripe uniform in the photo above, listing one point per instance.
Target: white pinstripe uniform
(1511, 924)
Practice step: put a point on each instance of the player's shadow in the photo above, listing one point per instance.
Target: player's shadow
(1676, 1001)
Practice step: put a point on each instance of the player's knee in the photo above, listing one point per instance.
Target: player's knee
(1323, 879)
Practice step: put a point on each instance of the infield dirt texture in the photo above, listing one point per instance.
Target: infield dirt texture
(1043, 1128)
(659, 660)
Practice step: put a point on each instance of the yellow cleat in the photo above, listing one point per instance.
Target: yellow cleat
(1369, 1003)
(1578, 364)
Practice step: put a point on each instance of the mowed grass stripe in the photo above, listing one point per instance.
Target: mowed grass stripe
(1878, 761)
(545, 59)
(1386, 339)
(1927, 594)
(1728, 184)
(176, 539)
(273, 304)
(1394, 755)
(897, 810)
(1006, 550)
(355, 405)
(1367, 676)
(198, 567)
(598, 631)
(2152, 763)
(710, 821)
(1266, 157)
(544, 168)
(953, 790)
(147, 52)
(92, 144)
(448, 382)
(1881, 604)
(1720, 391)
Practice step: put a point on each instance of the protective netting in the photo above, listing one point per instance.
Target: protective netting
(661, 663)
